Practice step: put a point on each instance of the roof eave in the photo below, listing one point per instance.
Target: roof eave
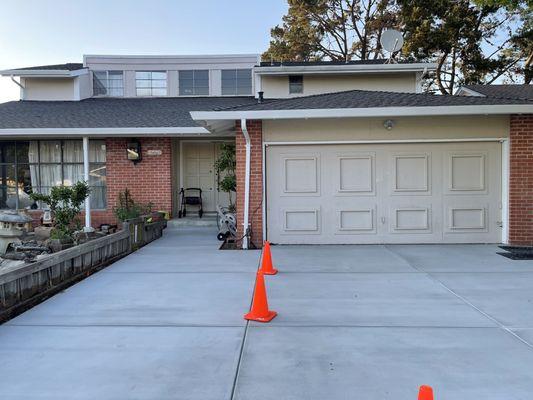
(364, 112)
(98, 132)
(348, 68)
(44, 73)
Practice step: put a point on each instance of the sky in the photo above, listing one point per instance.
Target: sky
(40, 32)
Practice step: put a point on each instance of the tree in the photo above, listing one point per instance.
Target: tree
(225, 165)
(338, 30)
(471, 43)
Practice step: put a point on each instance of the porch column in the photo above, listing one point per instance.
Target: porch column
(88, 227)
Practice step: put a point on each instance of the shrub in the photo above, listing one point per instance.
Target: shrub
(65, 203)
(128, 209)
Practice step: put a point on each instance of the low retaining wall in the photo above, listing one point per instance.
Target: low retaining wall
(26, 285)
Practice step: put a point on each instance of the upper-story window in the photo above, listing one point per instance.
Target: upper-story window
(236, 81)
(194, 82)
(151, 83)
(108, 83)
(296, 84)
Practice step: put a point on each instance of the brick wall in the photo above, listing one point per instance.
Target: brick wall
(521, 180)
(256, 179)
(148, 181)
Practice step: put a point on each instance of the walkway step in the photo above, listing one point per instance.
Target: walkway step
(206, 220)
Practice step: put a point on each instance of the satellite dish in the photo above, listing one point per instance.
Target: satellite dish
(391, 40)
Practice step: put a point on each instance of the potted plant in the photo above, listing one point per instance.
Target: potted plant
(65, 203)
(225, 167)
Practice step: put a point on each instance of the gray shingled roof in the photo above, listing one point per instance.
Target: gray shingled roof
(371, 99)
(62, 67)
(111, 112)
(524, 92)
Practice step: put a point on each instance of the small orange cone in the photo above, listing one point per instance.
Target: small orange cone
(266, 264)
(260, 311)
(425, 393)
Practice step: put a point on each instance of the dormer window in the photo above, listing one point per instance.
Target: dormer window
(151, 83)
(296, 84)
(108, 83)
(236, 82)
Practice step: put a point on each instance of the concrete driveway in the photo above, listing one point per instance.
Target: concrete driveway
(355, 322)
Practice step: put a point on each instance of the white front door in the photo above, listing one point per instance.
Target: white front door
(199, 172)
(384, 193)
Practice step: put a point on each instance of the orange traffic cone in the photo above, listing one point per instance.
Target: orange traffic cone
(425, 393)
(260, 311)
(266, 264)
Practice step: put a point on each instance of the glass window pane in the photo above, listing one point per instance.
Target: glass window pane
(159, 92)
(8, 152)
(72, 174)
(73, 151)
(101, 75)
(98, 197)
(7, 175)
(159, 75)
(22, 152)
(51, 175)
(50, 151)
(243, 90)
(97, 151)
(201, 74)
(144, 92)
(144, 84)
(33, 151)
(143, 75)
(115, 75)
(202, 91)
(97, 175)
(186, 75)
(159, 84)
(116, 92)
(228, 74)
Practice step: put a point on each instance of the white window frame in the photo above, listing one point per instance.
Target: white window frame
(107, 82)
(151, 84)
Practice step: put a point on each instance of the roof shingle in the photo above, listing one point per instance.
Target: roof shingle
(111, 112)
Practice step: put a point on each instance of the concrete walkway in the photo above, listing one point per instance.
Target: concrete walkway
(355, 322)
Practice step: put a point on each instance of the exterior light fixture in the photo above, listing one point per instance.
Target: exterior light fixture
(389, 124)
(134, 151)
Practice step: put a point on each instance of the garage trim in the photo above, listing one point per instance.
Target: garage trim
(504, 172)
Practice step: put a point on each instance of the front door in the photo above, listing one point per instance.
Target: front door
(199, 172)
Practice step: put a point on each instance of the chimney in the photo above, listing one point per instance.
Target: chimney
(260, 97)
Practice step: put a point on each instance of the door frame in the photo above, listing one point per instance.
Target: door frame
(505, 157)
(210, 140)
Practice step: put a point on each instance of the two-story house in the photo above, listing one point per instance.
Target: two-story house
(326, 152)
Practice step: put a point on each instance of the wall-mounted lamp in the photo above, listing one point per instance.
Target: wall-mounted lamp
(134, 151)
(389, 124)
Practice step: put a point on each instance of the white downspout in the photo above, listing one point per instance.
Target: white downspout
(88, 227)
(246, 216)
(22, 88)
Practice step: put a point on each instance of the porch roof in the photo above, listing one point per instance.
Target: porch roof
(110, 116)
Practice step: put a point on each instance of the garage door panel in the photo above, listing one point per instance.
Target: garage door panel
(300, 174)
(411, 219)
(411, 174)
(301, 221)
(384, 193)
(466, 172)
(355, 173)
(356, 221)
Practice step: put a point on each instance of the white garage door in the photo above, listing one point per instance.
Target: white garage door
(386, 193)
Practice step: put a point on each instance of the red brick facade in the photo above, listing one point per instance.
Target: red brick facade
(256, 179)
(521, 180)
(148, 181)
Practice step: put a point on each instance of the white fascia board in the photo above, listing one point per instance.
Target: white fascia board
(44, 73)
(75, 132)
(348, 68)
(363, 112)
(181, 56)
